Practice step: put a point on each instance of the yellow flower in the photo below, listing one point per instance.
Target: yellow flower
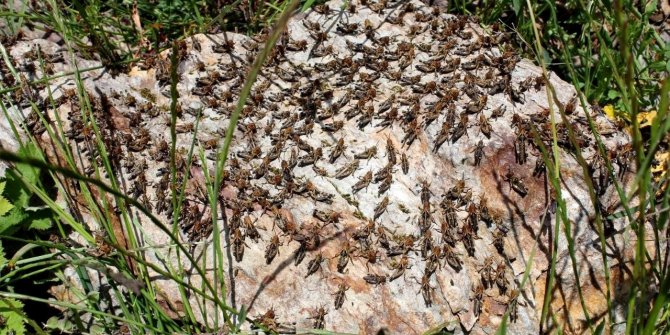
(609, 112)
(645, 119)
(662, 158)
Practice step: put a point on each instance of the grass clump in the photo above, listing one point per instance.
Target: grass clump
(590, 32)
(121, 32)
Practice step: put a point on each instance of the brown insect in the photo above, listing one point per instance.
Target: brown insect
(450, 220)
(472, 91)
(347, 28)
(347, 170)
(404, 162)
(520, 148)
(344, 256)
(571, 106)
(374, 279)
(272, 249)
(429, 66)
(363, 232)
(479, 152)
(484, 214)
(311, 157)
(516, 184)
(380, 175)
(322, 9)
(390, 151)
(382, 238)
(225, 46)
(500, 278)
(485, 126)
(364, 182)
(442, 136)
(317, 195)
(498, 112)
(286, 225)
(314, 265)
(487, 272)
(478, 299)
(426, 290)
(318, 317)
(333, 126)
(395, 20)
(540, 167)
(340, 295)
(468, 236)
(411, 132)
(252, 153)
(452, 257)
(413, 80)
(433, 260)
(371, 255)
(250, 229)
(513, 305)
(405, 245)
(337, 151)
(478, 105)
(367, 153)
(386, 104)
(447, 230)
(377, 7)
(498, 240)
(425, 192)
(319, 36)
(425, 219)
(461, 129)
(381, 208)
(300, 45)
(102, 247)
(327, 216)
(268, 320)
(385, 185)
(313, 26)
(399, 268)
(322, 51)
(238, 245)
(320, 171)
(427, 243)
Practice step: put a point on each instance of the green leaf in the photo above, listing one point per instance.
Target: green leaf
(599, 328)
(16, 192)
(612, 94)
(3, 259)
(64, 324)
(11, 311)
(650, 8)
(5, 206)
(308, 4)
(658, 66)
(39, 218)
(29, 172)
(517, 6)
(10, 222)
(15, 212)
(40, 224)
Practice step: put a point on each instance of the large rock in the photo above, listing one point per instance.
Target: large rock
(392, 104)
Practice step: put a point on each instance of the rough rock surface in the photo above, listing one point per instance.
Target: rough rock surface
(399, 135)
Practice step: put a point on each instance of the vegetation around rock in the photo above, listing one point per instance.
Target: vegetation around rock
(225, 166)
